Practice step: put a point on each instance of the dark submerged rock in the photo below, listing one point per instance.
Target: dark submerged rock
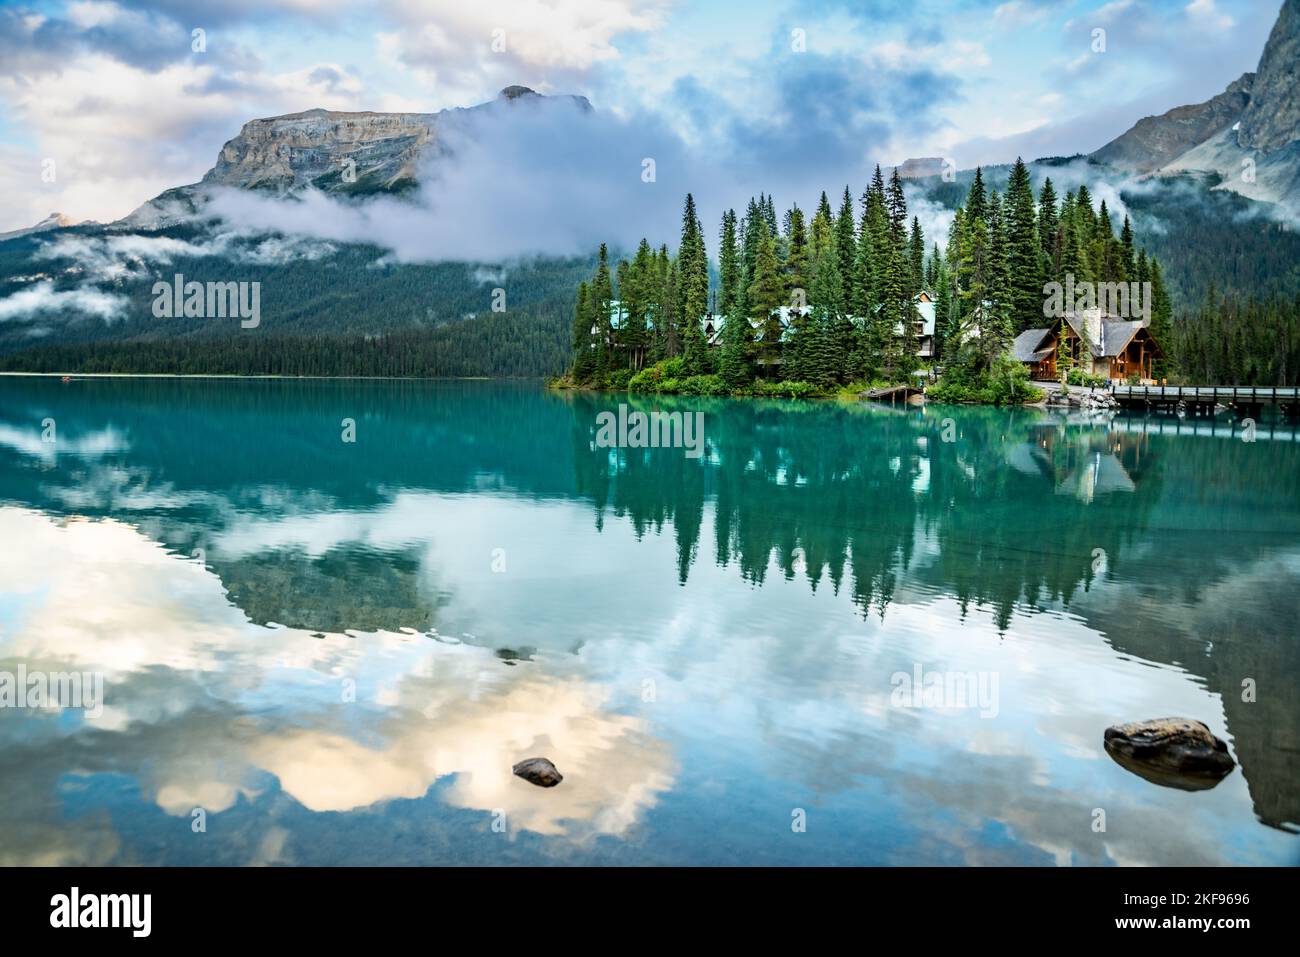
(1172, 752)
(539, 771)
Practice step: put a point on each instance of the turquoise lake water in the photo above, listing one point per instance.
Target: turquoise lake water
(318, 651)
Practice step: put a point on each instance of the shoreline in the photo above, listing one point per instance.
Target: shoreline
(232, 375)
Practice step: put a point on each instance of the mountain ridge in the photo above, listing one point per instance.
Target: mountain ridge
(343, 152)
(1247, 138)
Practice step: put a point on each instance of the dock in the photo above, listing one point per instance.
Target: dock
(1201, 400)
(891, 394)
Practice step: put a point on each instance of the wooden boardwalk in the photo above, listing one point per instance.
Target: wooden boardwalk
(1202, 399)
(1212, 393)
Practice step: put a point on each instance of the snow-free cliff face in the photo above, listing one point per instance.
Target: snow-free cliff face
(336, 152)
(325, 149)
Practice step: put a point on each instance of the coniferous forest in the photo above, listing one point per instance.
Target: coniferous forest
(812, 305)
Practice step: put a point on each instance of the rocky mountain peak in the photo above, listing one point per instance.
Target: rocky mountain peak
(1272, 118)
(330, 150)
(1156, 140)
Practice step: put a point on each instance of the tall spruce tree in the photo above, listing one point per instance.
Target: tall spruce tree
(997, 327)
(601, 298)
(823, 227)
(916, 251)
(766, 295)
(1024, 254)
(827, 355)
(729, 264)
(1047, 235)
(798, 256)
(584, 356)
(846, 249)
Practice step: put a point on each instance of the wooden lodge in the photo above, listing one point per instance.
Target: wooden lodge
(1100, 345)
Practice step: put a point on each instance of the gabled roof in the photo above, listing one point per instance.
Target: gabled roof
(1117, 335)
(1031, 345)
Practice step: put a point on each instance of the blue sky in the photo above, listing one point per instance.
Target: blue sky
(806, 91)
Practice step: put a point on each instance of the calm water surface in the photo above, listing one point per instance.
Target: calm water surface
(337, 650)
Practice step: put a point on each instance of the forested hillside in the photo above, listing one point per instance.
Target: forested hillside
(332, 309)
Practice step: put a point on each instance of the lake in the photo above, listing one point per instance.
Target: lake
(328, 616)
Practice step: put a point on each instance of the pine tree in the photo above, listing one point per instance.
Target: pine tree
(692, 267)
(1126, 247)
(976, 199)
(769, 215)
(1064, 355)
(823, 228)
(996, 326)
(951, 319)
(916, 251)
(846, 248)
(729, 264)
(1162, 314)
(1048, 239)
(672, 312)
(601, 297)
(797, 256)
(828, 353)
(1067, 242)
(1023, 251)
(900, 310)
(975, 270)
(943, 306)
(735, 367)
(766, 294)
(584, 358)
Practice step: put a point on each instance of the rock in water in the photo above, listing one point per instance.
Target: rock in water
(1172, 752)
(539, 771)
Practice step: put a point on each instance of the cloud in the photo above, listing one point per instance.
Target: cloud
(532, 177)
(1208, 16)
(120, 256)
(118, 135)
(477, 47)
(43, 299)
(550, 176)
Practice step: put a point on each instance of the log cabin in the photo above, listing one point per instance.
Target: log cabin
(1101, 345)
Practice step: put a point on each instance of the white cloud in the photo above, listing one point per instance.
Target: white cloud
(1207, 15)
(120, 134)
(44, 299)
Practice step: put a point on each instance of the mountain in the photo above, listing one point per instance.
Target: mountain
(83, 297)
(343, 153)
(1272, 119)
(1156, 140)
(921, 167)
(52, 221)
(1247, 138)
